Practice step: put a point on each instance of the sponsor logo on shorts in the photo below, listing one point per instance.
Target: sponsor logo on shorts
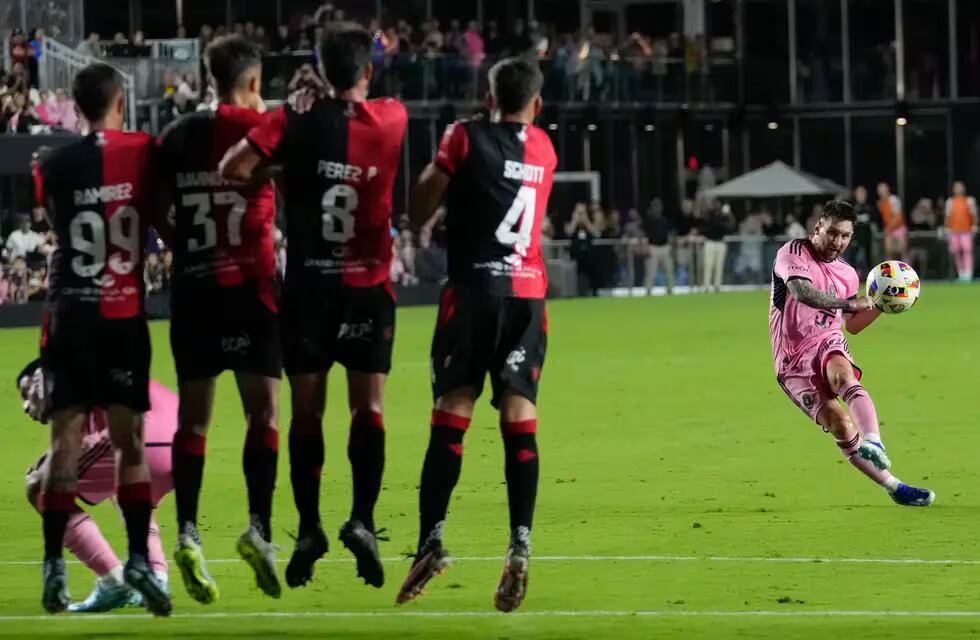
(236, 344)
(807, 401)
(356, 330)
(122, 377)
(516, 358)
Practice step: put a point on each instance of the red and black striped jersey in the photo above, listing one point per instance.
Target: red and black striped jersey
(223, 234)
(99, 196)
(501, 175)
(339, 164)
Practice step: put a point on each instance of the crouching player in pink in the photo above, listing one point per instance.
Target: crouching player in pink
(814, 294)
(97, 483)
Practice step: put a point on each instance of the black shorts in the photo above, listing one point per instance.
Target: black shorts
(323, 324)
(94, 362)
(223, 329)
(478, 334)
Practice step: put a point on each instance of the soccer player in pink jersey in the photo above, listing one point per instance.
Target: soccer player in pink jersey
(97, 483)
(814, 296)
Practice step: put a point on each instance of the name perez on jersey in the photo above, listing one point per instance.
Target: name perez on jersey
(105, 193)
(341, 171)
(532, 173)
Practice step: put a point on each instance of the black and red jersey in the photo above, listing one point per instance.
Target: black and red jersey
(223, 234)
(339, 163)
(99, 196)
(501, 177)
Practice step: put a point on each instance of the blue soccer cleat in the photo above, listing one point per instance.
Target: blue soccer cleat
(106, 598)
(909, 496)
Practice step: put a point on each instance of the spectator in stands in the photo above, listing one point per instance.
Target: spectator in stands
(20, 50)
(205, 36)
(658, 234)
(90, 46)
(24, 115)
(582, 232)
(261, 38)
(238, 29)
(17, 277)
(154, 273)
(794, 230)
(714, 228)
(139, 46)
(186, 96)
(475, 53)
(23, 241)
(167, 258)
(282, 40)
(17, 79)
(37, 282)
(62, 111)
(119, 46)
(893, 221)
(961, 218)
(860, 252)
(249, 31)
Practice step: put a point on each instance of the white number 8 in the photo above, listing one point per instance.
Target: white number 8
(338, 221)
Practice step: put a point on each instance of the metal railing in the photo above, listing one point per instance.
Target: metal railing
(632, 267)
(59, 64)
(150, 63)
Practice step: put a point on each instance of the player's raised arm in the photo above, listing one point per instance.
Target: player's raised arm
(804, 291)
(250, 160)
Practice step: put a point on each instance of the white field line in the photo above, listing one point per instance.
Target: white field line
(585, 613)
(746, 559)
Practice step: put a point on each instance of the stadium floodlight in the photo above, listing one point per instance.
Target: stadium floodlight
(773, 125)
(649, 128)
(553, 126)
(901, 114)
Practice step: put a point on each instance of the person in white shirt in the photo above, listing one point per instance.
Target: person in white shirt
(23, 240)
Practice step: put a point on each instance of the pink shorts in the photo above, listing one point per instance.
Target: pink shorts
(97, 473)
(960, 242)
(804, 377)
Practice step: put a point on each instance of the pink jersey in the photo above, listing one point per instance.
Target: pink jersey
(795, 327)
(97, 465)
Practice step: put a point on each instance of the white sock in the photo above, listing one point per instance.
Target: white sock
(892, 484)
(113, 578)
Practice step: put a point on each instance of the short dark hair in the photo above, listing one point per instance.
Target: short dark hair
(345, 55)
(94, 89)
(228, 58)
(839, 210)
(514, 82)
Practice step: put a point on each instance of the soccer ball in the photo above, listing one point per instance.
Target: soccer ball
(893, 286)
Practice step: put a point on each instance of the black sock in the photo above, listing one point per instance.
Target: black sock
(56, 507)
(521, 469)
(259, 460)
(188, 472)
(366, 452)
(135, 502)
(305, 466)
(440, 472)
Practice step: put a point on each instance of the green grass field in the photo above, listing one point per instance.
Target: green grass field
(682, 494)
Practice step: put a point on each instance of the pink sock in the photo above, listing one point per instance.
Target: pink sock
(85, 541)
(850, 451)
(158, 561)
(862, 410)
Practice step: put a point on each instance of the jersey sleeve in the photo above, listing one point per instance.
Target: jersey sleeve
(267, 138)
(453, 149)
(792, 263)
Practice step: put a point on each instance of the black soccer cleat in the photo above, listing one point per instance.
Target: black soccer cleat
(431, 561)
(513, 581)
(363, 543)
(139, 576)
(55, 597)
(310, 547)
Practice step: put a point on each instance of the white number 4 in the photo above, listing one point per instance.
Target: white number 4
(525, 203)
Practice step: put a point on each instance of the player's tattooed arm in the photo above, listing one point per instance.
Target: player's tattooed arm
(804, 291)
